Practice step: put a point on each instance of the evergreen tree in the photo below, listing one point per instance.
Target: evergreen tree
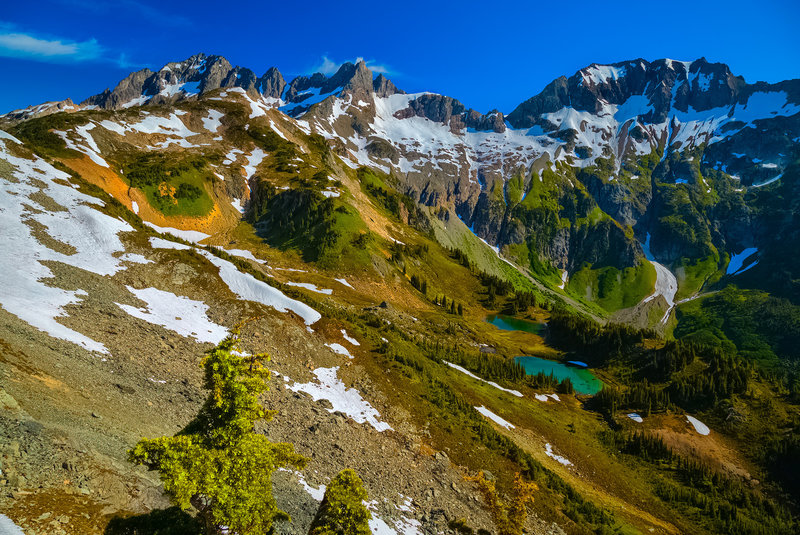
(508, 517)
(218, 464)
(342, 511)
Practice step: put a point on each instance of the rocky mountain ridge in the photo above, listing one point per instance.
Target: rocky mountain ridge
(595, 151)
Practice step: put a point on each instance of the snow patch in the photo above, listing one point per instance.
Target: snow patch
(564, 277)
(310, 287)
(318, 493)
(212, 122)
(8, 527)
(495, 418)
(170, 126)
(350, 338)
(134, 258)
(699, 426)
(666, 283)
(185, 316)
(90, 149)
(245, 286)
(342, 399)
(89, 237)
(548, 450)
(340, 349)
(490, 383)
(343, 281)
(193, 236)
(161, 243)
(244, 254)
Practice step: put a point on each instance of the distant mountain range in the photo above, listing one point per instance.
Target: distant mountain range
(573, 178)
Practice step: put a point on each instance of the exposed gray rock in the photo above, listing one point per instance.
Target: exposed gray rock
(384, 87)
(271, 84)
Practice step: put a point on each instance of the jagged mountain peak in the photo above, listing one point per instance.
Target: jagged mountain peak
(664, 84)
(271, 84)
(202, 73)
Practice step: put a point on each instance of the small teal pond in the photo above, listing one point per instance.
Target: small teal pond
(582, 379)
(510, 323)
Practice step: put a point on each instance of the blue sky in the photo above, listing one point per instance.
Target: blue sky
(489, 54)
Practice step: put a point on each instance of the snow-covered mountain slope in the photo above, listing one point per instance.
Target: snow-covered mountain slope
(561, 179)
(622, 110)
(617, 111)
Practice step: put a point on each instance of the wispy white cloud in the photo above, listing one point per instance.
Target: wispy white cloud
(377, 67)
(23, 45)
(327, 66)
(15, 43)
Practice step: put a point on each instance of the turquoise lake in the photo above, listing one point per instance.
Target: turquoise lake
(582, 379)
(510, 323)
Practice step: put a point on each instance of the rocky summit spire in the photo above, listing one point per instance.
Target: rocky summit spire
(350, 77)
(384, 87)
(272, 84)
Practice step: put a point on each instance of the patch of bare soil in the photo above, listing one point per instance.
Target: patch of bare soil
(679, 435)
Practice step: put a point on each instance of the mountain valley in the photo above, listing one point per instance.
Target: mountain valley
(640, 215)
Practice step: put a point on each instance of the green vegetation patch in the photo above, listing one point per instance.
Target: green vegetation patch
(401, 207)
(612, 288)
(694, 275)
(174, 186)
(38, 136)
(324, 229)
(762, 328)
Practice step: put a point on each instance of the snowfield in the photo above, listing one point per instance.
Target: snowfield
(666, 283)
(180, 314)
(495, 418)
(342, 399)
(85, 238)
